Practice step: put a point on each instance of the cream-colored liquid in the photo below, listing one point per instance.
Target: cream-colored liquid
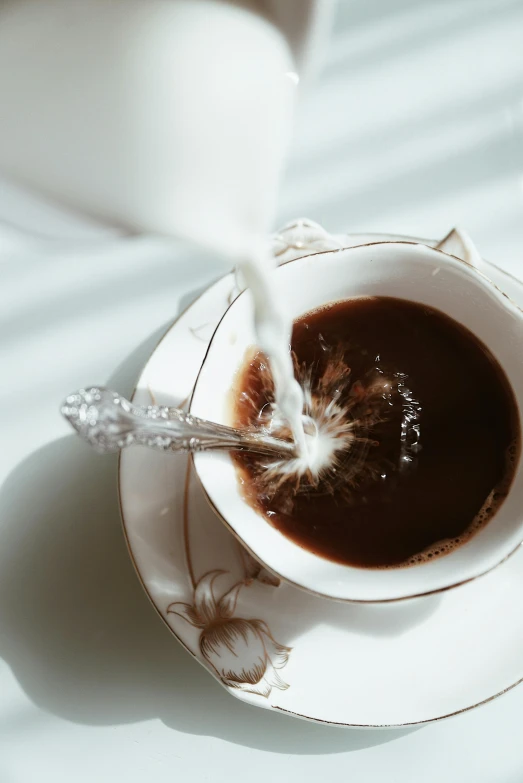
(273, 329)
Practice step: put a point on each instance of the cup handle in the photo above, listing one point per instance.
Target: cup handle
(303, 237)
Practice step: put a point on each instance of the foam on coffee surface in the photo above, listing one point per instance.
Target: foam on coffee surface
(485, 514)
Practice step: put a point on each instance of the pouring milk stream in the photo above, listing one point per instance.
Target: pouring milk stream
(181, 130)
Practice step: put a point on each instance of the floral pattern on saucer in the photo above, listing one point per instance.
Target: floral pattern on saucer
(243, 653)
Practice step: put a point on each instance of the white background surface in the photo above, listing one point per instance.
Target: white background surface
(415, 125)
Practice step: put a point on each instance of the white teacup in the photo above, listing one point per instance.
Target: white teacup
(401, 269)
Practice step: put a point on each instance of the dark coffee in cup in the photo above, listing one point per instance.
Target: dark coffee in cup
(419, 424)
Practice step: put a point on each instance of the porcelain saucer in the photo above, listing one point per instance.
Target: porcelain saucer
(273, 645)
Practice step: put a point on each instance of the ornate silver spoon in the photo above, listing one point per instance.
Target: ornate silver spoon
(109, 423)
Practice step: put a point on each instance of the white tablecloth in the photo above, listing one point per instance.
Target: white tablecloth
(416, 125)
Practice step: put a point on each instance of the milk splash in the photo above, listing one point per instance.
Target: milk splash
(319, 426)
(330, 415)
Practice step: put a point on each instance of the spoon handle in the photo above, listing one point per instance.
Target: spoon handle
(109, 422)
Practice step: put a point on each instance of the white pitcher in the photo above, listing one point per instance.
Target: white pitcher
(168, 116)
